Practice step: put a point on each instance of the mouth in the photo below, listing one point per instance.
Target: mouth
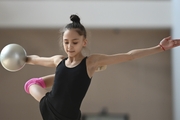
(71, 51)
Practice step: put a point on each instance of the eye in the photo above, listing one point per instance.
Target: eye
(75, 42)
(66, 42)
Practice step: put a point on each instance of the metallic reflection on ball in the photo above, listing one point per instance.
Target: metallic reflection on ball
(13, 57)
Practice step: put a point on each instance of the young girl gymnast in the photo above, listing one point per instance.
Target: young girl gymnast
(74, 73)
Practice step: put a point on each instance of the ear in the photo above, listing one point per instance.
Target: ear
(84, 42)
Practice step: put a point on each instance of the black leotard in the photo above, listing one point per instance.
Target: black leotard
(64, 100)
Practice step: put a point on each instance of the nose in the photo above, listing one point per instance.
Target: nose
(70, 45)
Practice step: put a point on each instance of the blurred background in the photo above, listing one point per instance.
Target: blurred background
(141, 89)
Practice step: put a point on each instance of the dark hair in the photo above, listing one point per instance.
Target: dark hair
(76, 24)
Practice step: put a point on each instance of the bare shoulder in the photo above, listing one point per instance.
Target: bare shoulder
(92, 58)
(93, 64)
(57, 59)
(95, 58)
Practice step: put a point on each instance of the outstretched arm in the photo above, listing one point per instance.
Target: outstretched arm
(44, 61)
(165, 44)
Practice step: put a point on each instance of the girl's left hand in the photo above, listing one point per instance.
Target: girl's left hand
(168, 43)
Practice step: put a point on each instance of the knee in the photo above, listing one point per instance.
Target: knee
(37, 81)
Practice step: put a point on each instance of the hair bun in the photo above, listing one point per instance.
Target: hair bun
(75, 18)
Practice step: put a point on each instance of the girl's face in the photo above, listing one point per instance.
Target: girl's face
(73, 43)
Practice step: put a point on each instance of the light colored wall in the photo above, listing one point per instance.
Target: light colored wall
(140, 88)
(94, 13)
(175, 59)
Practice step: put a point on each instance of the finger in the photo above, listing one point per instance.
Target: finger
(176, 45)
(168, 38)
(176, 39)
(176, 42)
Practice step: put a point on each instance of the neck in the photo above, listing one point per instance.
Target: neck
(75, 58)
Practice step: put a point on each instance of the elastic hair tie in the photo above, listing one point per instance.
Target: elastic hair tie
(162, 47)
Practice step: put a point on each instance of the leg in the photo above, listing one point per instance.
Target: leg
(35, 86)
(48, 80)
(37, 92)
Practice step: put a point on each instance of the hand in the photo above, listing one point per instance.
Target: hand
(168, 43)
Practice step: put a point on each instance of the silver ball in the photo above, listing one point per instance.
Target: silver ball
(13, 57)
